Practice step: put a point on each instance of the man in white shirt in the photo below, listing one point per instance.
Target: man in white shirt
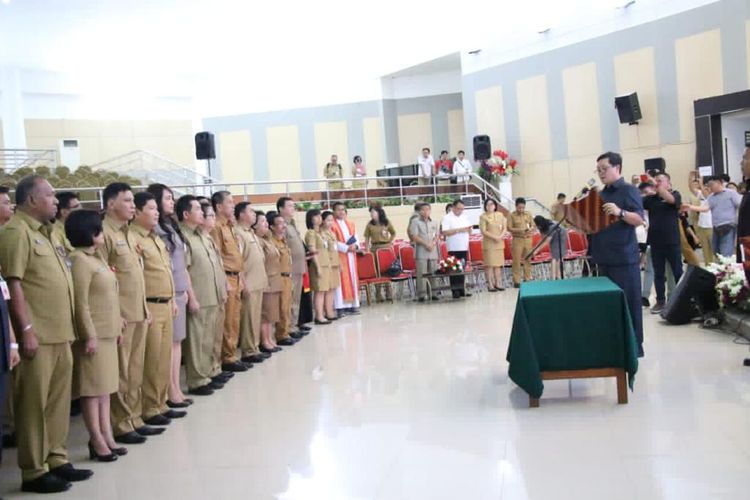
(462, 168)
(456, 229)
(426, 167)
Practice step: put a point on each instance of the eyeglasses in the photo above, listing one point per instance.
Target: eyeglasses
(601, 170)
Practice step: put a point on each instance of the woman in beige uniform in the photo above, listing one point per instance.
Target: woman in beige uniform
(493, 225)
(320, 266)
(333, 259)
(379, 234)
(270, 311)
(99, 327)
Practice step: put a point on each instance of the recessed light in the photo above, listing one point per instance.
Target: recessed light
(544, 31)
(6, 2)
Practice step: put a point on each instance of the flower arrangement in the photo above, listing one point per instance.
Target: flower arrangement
(498, 166)
(731, 286)
(450, 265)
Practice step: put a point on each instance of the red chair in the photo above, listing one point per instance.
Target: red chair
(476, 255)
(368, 274)
(386, 257)
(408, 264)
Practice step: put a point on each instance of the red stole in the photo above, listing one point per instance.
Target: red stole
(347, 291)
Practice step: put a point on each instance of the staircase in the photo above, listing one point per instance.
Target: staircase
(13, 159)
(151, 168)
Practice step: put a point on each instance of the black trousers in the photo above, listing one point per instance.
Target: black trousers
(458, 282)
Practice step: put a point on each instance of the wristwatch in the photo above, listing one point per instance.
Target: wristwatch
(622, 215)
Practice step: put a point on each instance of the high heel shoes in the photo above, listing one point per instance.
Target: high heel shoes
(93, 455)
(119, 451)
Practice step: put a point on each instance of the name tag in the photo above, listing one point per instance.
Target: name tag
(121, 243)
(4, 289)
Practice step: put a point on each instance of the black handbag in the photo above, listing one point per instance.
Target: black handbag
(395, 269)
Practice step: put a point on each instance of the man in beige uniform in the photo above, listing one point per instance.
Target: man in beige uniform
(162, 308)
(41, 309)
(285, 207)
(67, 202)
(520, 225)
(228, 245)
(119, 250)
(256, 281)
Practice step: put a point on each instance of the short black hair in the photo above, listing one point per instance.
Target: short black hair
(461, 151)
(113, 189)
(448, 207)
(357, 158)
(282, 201)
(183, 205)
(203, 200)
(520, 201)
(644, 185)
(456, 202)
(142, 198)
(424, 204)
(258, 215)
(725, 178)
(664, 174)
(561, 195)
(272, 215)
(64, 198)
(82, 226)
(309, 217)
(4, 190)
(239, 208)
(337, 204)
(326, 214)
(24, 188)
(443, 152)
(218, 198)
(614, 158)
(487, 200)
(426, 149)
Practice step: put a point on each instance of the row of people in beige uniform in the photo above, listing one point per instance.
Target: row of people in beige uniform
(101, 306)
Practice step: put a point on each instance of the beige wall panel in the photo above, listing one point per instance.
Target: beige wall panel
(91, 151)
(109, 147)
(581, 170)
(632, 160)
(282, 145)
(414, 133)
(582, 110)
(115, 128)
(533, 119)
(236, 154)
(538, 182)
(332, 138)
(43, 128)
(560, 180)
(372, 130)
(42, 142)
(490, 117)
(456, 131)
(680, 159)
(699, 75)
(159, 128)
(74, 129)
(1, 136)
(634, 72)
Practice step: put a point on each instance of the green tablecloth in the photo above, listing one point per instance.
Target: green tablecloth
(570, 325)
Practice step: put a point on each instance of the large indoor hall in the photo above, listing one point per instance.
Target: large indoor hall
(375, 251)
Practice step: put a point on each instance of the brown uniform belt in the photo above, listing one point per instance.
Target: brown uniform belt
(286, 275)
(232, 273)
(158, 300)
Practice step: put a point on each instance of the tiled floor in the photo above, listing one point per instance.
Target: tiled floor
(412, 401)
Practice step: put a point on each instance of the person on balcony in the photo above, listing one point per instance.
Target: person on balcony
(425, 167)
(461, 168)
(332, 171)
(358, 170)
(444, 166)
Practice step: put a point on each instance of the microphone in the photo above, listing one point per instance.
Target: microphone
(586, 188)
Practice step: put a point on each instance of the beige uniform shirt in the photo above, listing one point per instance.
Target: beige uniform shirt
(210, 280)
(228, 245)
(157, 267)
(273, 264)
(519, 223)
(296, 248)
(426, 230)
(58, 228)
(31, 253)
(314, 241)
(119, 251)
(96, 296)
(253, 259)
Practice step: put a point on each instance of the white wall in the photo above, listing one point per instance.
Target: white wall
(733, 129)
(406, 87)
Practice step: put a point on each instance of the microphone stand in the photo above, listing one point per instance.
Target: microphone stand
(555, 229)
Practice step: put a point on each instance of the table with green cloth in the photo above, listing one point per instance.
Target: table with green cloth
(573, 324)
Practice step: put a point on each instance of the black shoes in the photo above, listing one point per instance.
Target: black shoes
(296, 335)
(174, 414)
(266, 350)
(499, 289)
(221, 379)
(304, 328)
(183, 404)
(130, 438)
(70, 473)
(255, 358)
(286, 342)
(318, 322)
(157, 420)
(203, 390)
(435, 298)
(46, 483)
(9, 440)
(93, 455)
(149, 431)
(353, 311)
(215, 385)
(119, 451)
(234, 367)
(645, 302)
(516, 285)
(492, 289)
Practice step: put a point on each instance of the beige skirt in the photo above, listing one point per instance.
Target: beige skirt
(494, 256)
(320, 281)
(335, 278)
(270, 310)
(97, 374)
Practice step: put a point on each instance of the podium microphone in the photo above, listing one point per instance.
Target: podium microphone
(588, 187)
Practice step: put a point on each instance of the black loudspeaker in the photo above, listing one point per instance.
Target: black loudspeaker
(628, 108)
(204, 146)
(654, 165)
(694, 295)
(482, 147)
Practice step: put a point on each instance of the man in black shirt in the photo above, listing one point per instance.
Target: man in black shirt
(663, 234)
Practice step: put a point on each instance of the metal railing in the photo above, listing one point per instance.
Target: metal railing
(150, 167)
(401, 190)
(13, 159)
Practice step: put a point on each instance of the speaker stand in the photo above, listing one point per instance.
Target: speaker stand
(208, 170)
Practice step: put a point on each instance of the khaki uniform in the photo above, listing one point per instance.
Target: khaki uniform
(333, 259)
(271, 312)
(202, 326)
(228, 245)
(320, 273)
(254, 270)
(97, 313)
(58, 228)
(119, 251)
(426, 260)
(160, 292)
(493, 252)
(299, 267)
(218, 328)
(521, 246)
(333, 172)
(285, 272)
(31, 254)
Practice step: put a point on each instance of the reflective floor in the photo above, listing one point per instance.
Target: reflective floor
(412, 401)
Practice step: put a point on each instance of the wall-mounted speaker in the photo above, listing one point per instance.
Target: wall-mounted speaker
(482, 147)
(628, 108)
(204, 146)
(654, 165)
